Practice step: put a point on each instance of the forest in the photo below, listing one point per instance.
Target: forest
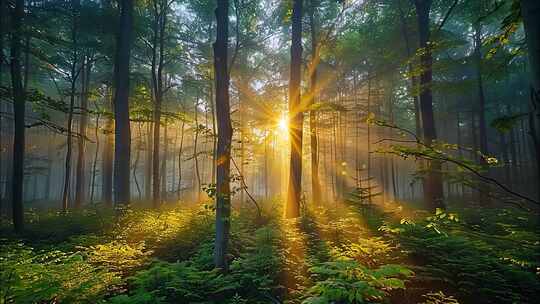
(269, 151)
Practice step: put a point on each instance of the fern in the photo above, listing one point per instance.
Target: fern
(346, 280)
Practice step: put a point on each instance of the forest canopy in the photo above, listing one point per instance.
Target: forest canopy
(269, 151)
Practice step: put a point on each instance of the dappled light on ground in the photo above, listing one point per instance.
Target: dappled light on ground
(333, 252)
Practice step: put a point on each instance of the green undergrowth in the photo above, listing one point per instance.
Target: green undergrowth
(252, 276)
(487, 258)
(338, 253)
(86, 256)
(355, 265)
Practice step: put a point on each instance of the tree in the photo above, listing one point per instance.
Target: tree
(530, 11)
(122, 147)
(80, 188)
(296, 115)
(19, 111)
(74, 74)
(160, 11)
(107, 155)
(433, 188)
(478, 60)
(315, 58)
(223, 191)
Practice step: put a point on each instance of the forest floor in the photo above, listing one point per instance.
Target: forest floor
(335, 253)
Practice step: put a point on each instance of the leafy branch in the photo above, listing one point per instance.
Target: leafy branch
(431, 153)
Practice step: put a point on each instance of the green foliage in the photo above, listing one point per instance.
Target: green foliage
(172, 234)
(29, 276)
(326, 256)
(252, 276)
(257, 268)
(177, 283)
(119, 256)
(469, 263)
(439, 298)
(85, 256)
(370, 251)
(346, 280)
(57, 227)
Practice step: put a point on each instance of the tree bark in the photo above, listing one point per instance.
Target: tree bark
(80, 188)
(369, 140)
(18, 111)
(315, 182)
(180, 151)
(149, 158)
(195, 149)
(223, 195)
(3, 186)
(156, 178)
(214, 135)
(3, 30)
(73, 75)
(433, 187)
(107, 165)
(122, 147)
(96, 153)
(157, 81)
(136, 162)
(163, 179)
(296, 115)
(483, 197)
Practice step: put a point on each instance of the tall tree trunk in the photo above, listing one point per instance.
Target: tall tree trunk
(433, 187)
(369, 139)
(315, 182)
(96, 153)
(296, 115)
(480, 86)
(3, 184)
(483, 197)
(73, 75)
(156, 177)
(266, 156)
(474, 137)
(506, 159)
(180, 151)
(80, 188)
(67, 162)
(530, 11)
(3, 31)
(18, 111)
(195, 151)
(122, 147)
(136, 162)
(242, 100)
(223, 195)
(50, 162)
(172, 189)
(460, 144)
(164, 163)
(107, 165)
(389, 135)
(214, 133)
(157, 86)
(148, 163)
(413, 90)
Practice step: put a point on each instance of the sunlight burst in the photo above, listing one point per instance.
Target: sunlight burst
(283, 125)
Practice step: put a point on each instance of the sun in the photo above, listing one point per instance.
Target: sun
(283, 125)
